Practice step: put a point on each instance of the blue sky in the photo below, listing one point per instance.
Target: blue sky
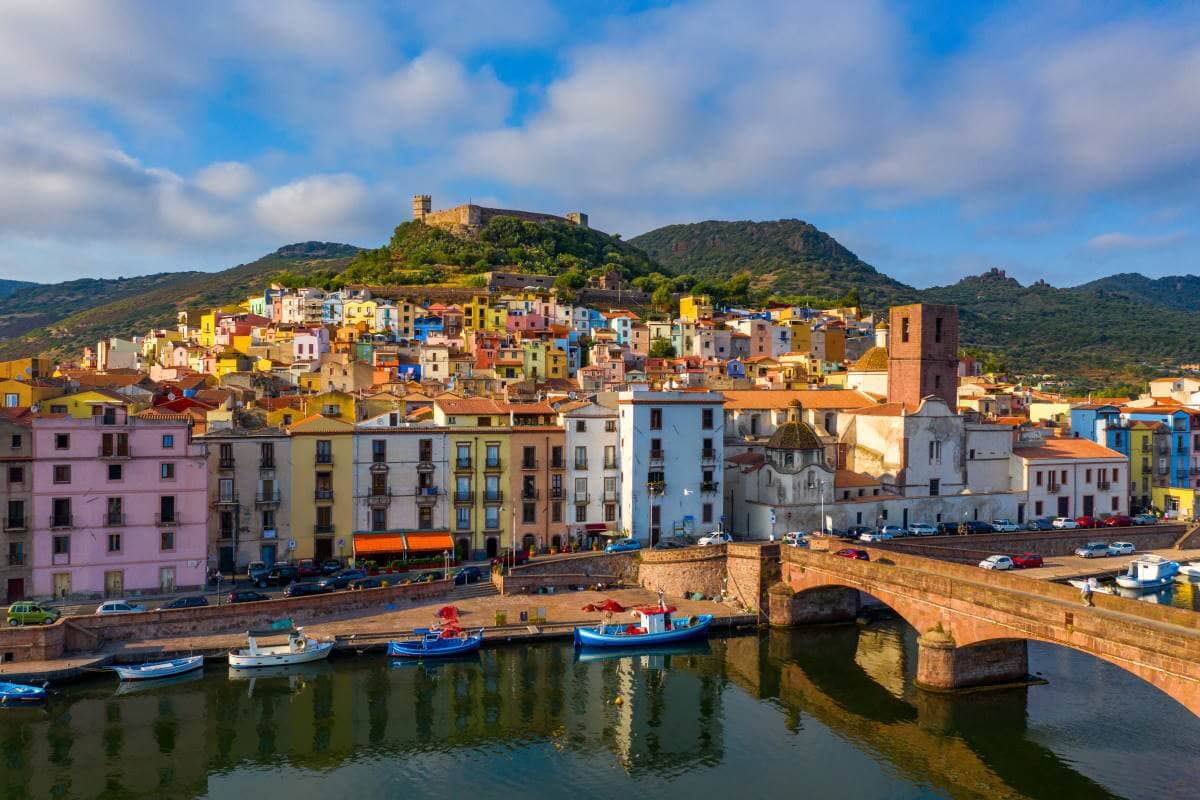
(1054, 140)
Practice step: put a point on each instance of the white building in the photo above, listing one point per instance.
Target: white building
(401, 476)
(1069, 477)
(594, 469)
(671, 454)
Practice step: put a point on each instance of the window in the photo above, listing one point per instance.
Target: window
(971, 455)
(114, 543)
(379, 519)
(378, 451)
(610, 426)
(529, 458)
(16, 474)
(463, 459)
(935, 486)
(62, 441)
(462, 518)
(904, 329)
(116, 472)
(425, 450)
(11, 399)
(1087, 476)
(580, 457)
(1038, 477)
(937, 330)
(62, 473)
(16, 441)
(16, 515)
(166, 508)
(528, 513)
(581, 513)
(268, 520)
(424, 518)
(168, 441)
(225, 490)
(935, 452)
(16, 554)
(556, 512)
(580, 426)
(610, 512)
(491, 518)
(166, 471)
(114, 512)
(1064, 478)
(324, 522)
(324, 451)
(166, 540)
(1116, 504)
(706, 512)
(266, 455)
(61, 545)
(656, 419)
(706, 419)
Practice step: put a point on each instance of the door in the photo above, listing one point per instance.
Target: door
(268, 553)
(1020, 513)
(493, 547)
(1064, 506)
(15, 590)
(62, 584)
(225, 560)
(904, 520)
(166, 580)
(322, 549)
(1089, 504)
(114, 583)
(462, 549)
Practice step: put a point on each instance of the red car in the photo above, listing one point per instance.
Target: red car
(850, 552)
(308, 568)
(1027, 560)
(509, 557)
(1087, 521)
(1117, 521)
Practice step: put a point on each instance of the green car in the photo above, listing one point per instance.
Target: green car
(27, 613)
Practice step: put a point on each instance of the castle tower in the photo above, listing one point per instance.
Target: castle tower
(579, 218)
(923, 354)
(422, 205)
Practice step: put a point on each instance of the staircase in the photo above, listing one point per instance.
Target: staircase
(470, 591)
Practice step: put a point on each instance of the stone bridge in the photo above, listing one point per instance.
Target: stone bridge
(974, 625)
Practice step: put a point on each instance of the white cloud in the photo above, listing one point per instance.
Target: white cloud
(1108, 242)
(316, 207)
(227, 179)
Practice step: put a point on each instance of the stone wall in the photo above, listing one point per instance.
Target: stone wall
(828, 604)
(526, 584)
(974, 548)
(39, 643)
(623, 566)
(943, 667)
(684, 571)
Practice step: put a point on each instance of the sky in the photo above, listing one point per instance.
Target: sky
(1054, 140)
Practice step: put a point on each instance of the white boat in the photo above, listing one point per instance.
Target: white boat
(1148, 572)
(298, 649)
(1189, 573)
(159, 669)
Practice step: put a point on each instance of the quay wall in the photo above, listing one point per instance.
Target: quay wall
(971, 549)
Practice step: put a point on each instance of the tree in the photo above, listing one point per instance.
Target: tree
(851, 299)
(661, 298)
(662, 348)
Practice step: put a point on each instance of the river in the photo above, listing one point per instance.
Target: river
(811, 713)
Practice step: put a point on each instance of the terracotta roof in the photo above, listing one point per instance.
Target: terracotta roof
(885, 410)
(746, 459)
(846, 479)
(1148, 424)
(809, 398)
(529, 408)
(874, 360)
(1059, 448)
(475, 405)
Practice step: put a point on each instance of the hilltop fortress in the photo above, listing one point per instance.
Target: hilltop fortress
(469, 218)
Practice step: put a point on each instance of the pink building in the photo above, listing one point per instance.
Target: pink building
(119, 505)
(308, 345)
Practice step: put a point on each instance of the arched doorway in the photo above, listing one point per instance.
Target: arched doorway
(556, 541)
(529, 542)
(462, 549)
(492, 547)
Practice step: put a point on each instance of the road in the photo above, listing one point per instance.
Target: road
(1063, 567)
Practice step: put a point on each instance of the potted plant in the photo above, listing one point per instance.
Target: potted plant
(371, 567)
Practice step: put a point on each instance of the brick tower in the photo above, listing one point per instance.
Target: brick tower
(923, 354)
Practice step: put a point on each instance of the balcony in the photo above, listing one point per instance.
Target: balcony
(226, 500)
(493, 497)
(610, 464)
(225, 533)
(464, 496)
(581, 465)
(266, 464)
(113, 519)
(225, 463)
(166, 520)
(708, 487)
(425, 464)
(1053, 488)
(709, 455)
(323, 495)
(268, 498)
(323, 527)
(656, 487)
(529, 493)
(492, 465)
(16, 523)
(426, 495)
(557, 463)
(657, 456)
(323, 460)
(16, 559)
(582, 499)
(464, 465)
(111, 452)
(529, 464)
(110, 420)
(556, 493)
(610, 496)
(1103, 485)
(61, 521)
(379, 499)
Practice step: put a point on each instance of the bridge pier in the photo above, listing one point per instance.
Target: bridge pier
(827, 604)
(944, 667)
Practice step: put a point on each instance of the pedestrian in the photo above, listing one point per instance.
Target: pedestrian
(1085, 592)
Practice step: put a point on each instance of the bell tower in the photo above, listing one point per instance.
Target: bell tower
(923, 354)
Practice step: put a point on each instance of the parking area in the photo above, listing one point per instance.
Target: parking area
(1062, 567)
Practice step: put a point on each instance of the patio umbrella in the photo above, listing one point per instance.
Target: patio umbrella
(611, 605)
(448, 613)
(590, 607)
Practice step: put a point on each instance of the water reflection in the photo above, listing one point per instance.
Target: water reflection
(833, 710)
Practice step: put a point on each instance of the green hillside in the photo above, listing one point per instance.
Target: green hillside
(7, 286)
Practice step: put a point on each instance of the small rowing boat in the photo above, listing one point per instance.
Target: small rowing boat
(159, 669)
(13, 693)
(298, 649)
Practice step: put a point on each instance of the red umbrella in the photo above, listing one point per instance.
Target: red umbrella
(611, 605)
(448, 613)
(590, 607)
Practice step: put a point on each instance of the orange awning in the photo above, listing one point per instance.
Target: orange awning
(429, 541)
(378, 543)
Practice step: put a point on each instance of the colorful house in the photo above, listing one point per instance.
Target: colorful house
(322, 497)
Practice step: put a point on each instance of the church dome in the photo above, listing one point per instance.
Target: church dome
(874, 360)
(794, 436)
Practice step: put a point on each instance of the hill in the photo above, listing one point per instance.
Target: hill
(7, 286)
(1177, 291)
(60, 319)
(787, 256)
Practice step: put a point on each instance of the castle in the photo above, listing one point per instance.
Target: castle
(471, 218)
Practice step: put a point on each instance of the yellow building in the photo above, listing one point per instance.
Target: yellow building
(480, 313)
(232, 361)
(481, 506)
(556, 362)
(208, 329)
(80, 404)
(1175, 502)
(334, 404)
(695, 307)
(322, 493)
(356, 312)
(27, 392)
(1042, 411)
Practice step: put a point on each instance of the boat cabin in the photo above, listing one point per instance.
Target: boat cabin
(654, 619)
(296, 642)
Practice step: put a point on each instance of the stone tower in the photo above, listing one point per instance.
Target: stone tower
(579, 218)
(422, 205)
(923, 354)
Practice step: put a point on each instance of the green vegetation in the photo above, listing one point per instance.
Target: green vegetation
(662, 348)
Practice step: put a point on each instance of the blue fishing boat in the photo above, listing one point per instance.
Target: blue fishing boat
(654, 655)
(437, 643)
(159, 669)
(655, 626)
(13, 693)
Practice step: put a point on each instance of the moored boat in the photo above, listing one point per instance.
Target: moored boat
(298, 649)
(1189, 573)
(1148, 572)
(443, 642)
(159, 669)
(14, 693)
(655, 626)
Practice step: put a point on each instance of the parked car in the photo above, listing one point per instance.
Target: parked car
(895, 530)
(1145, 519)
(1064, 524)
(1117, 521)
(1092, 550)
(1005, 526)
(978, 526)
(622, 546)
(27, 612)
(468, 575)
(670, 544)
(795, 539)
(307, 568)
(1027, 560)
(851, 552)
(370, 582)
(517, 557)
(855, 531)
(330, 566)
(876, 536)
(996, 562)
(245, 596)
(278, 575)
(256, 568)
(341, 580)
(119, 607)
(1121, 549)
(947, 528)
(429, 577)
(191, 601)
(716, 537)
(922, 529)
(1040, 524)
(1087, 521)
(304, 589)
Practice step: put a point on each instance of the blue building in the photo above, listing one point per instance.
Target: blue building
(423, 326)
(1183, 425)
(1089, 420)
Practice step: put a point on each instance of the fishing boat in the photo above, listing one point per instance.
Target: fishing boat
(298, 649)
(654, 626)
(1148, 572)
(654, 656)
(1189, 573)
(444, 642)
(14, 693)
(159, 669)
